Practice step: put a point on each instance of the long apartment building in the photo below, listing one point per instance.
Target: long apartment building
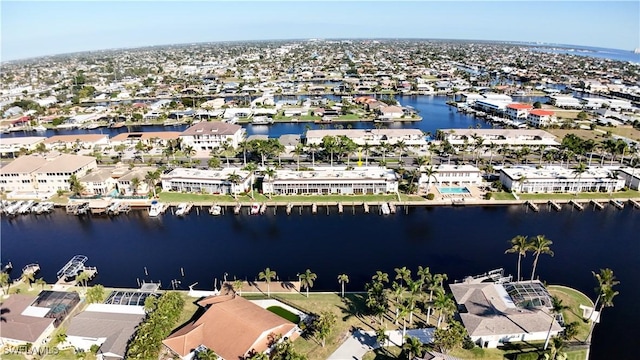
(373, 137)
(554, 179)
(206, 136)
(207, 181)
(44, 174)
(509, 137)
(332, 180)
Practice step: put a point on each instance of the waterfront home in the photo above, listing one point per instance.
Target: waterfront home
(98, 182)
(373, 137)
(207, 181)
(230, 326)
(125, 181)
(107, 326)
(332, 180)
(32, 319)
(151, 138)
(44, 174)
(498, 313)
(565, 102)
(540, 118)
(12, 146)
(509, 137)
(555, 179)
(76, 141)
(449, 175)
(207, 135)
(517, 111)
(631, 177)
(391, 112)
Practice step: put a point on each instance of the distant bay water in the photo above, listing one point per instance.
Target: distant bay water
(456, 241)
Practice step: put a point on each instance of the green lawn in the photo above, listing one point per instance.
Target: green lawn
(284, 313)
(502, 196)
(629, 194)
(188, 197)
(573, 299)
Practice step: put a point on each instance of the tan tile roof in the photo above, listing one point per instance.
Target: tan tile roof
(231, 327)
(27, 140)
(23, 165)
(65, 163)
(163, 135)
(75, 137)
(17, 326)
(206, 127)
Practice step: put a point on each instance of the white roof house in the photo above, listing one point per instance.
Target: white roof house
(374, 137)
(206, 181)
(511, 137)
(446, 174)
(332, 180)
(207, 135)
(552, 179)
(13, 145)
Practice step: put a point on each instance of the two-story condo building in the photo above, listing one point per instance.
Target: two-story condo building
(209, 135)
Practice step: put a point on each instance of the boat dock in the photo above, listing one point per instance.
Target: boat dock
(392, 208)
(67, 276)
(617, 203)
(596, 205)
(532, 205)
(555, 205)
(576, 205)
(237, 208)
(289, 207)
(31, 269)
(263, 208)
(366, 208)
(314, 208)
(635, 204)
(340, 208)
(77, 208)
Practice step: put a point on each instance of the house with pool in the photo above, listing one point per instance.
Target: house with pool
(496, 310)
(450, 179)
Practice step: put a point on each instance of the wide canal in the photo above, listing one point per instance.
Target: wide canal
(456, 241)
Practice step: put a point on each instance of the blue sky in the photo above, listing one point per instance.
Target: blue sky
(32, 29)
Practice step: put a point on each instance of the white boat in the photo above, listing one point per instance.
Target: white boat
(40, 128)
(46, 207)
(26, 207)
(215, 210)
(263, 208)
(262, 120)
(156, 208)
(384, 208)
(255, 209)
(181, 210)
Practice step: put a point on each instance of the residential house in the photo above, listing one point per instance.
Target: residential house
(554, 179)
(209, 135)
(230, 326)
(518, 111)
(13, 145)
(540, 118)
(332, 180)
(373, 137)
(76, 141)
(207, 181)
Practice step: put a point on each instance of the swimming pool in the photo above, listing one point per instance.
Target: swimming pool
(454, 190)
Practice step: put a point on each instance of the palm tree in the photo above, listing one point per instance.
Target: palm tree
(381, 336)
(235, 180)
(556, 308)
(313, 149)
(152, 178)
(366, 148)
(403, 274)
(271, 173)
(28, 277)
(267, 275)
(342, 279)
(413, 346)
(540, 245)
(75, 185)
(188, 152)
(299, 150)
(606, 300)
(306, 280)
(521, 246)
(206, 354)
(5, 281)
(237, 286)
(135, 184)
(41, 282)
(445, 305)
(401, 146)
(578, 171)
(381, 277)
(606, 280)
(430, 172)
(83, 278)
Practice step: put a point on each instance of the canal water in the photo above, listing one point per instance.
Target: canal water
(435, 112)
(456, 241)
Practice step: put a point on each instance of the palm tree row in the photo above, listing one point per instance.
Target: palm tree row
(521, 245)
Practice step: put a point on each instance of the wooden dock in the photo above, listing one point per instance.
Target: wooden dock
(533, 206)
(555, 205)
(576, 205)
(596, 205)
(617, 203)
